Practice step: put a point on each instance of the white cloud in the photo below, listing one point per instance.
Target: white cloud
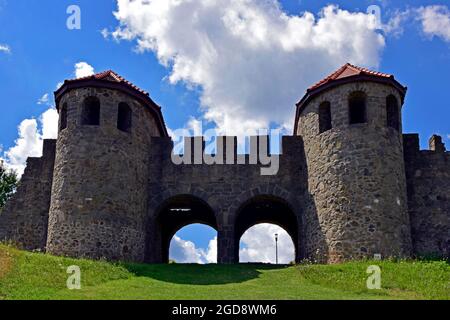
(49, 123)
(183, 251)
(29, 144)
(259, 245)
(5, 48)
(192, 128)
(251, 60)
(211, 253)
(44, 99)
(394, 26)
(435, 21)
(32, 132)
(83, 69)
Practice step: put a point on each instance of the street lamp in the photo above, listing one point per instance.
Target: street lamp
(276, 248)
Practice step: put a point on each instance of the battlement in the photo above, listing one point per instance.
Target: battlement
(411, 145)
(225, 149)
(24, 219)
(344, 186)
(428, 176)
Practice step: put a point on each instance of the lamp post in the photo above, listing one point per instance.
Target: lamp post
(276, 248)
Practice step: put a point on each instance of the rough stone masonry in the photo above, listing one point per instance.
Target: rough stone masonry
(349, 185)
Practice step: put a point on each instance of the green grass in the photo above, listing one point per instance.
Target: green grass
(25, 275)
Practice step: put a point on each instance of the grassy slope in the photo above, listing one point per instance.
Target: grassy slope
(26, 275)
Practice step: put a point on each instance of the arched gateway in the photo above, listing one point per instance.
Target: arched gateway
(347, 184)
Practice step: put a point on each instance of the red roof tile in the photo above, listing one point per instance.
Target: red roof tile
(349, 70)
(346, 73)
(109, 75)
(112, 80)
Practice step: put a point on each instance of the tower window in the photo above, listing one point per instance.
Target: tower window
(63, 117)
(90, 113)
(392, 112)
(357, 108)
(124, 117)
(324, 117)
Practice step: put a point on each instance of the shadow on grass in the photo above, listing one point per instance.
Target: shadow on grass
(194, 274)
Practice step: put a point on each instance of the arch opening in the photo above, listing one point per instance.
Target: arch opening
(357, 107)
(90, 113)
(173, 215)
(266, 243)
(63, 117)
(274, 211)
(392, 113)
(325, 117)
(195, 243)
(124, 117)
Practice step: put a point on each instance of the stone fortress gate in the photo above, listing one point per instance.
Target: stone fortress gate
(349, 185)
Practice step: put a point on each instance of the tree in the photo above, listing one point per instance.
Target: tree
(8, 184)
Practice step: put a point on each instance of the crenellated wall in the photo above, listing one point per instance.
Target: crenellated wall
(225, 188)
(24, 219)
(428, 182)
(342, 189)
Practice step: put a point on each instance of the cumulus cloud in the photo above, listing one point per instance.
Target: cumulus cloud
(250, 59)
(44, 99)
(49, 124)
(259, 245)
(83, 69)
(183, 251)
(435, 21)
(5, 48)
(211, 254)
(32, 132)
(394, 26)
(29, 144)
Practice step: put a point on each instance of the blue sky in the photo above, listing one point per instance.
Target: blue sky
(37, 51)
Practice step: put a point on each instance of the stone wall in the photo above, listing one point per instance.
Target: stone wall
(225, 189)
(100, 189)
(356, 181)
(428, 177)
(24, 219)
(341, 194)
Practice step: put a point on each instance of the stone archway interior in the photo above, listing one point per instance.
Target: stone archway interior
(195, 243)
(258, 245)
(178, 212)
(270, 210)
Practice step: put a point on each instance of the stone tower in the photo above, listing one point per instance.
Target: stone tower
(350, 185)
(350, 123)
(99, 192)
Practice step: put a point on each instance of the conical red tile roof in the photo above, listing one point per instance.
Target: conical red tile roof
(349, 70)
(112, 80)
(345, 74)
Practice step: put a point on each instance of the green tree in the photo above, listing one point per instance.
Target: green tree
(8, 184)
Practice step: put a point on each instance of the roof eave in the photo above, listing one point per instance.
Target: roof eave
(311, 93)
(97, 83)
